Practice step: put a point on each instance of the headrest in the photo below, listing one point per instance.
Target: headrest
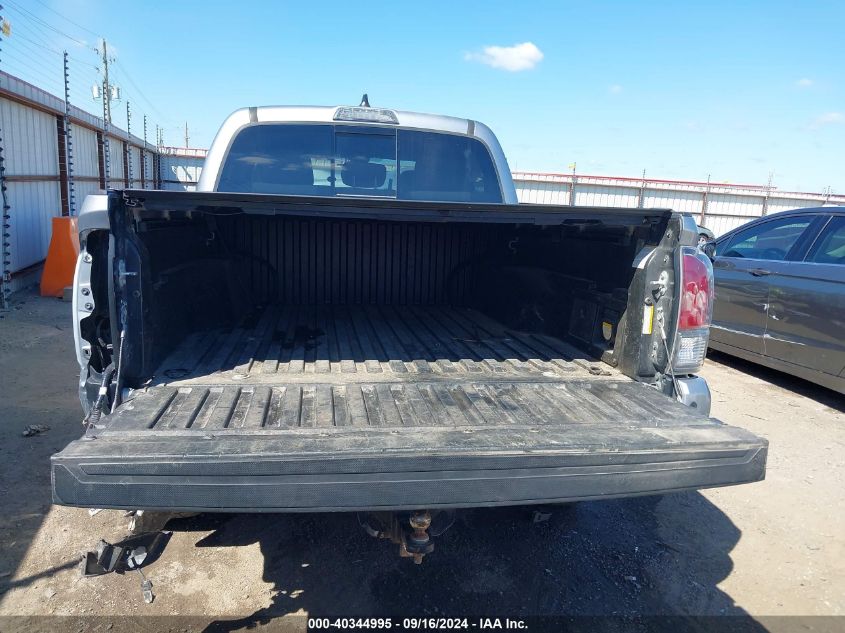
(363, 174)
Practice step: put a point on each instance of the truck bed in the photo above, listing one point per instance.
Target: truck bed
(391, 407)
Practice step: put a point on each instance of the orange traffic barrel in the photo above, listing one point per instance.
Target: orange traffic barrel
(61, 258)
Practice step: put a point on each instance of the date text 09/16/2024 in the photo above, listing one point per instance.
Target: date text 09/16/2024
(410, 624)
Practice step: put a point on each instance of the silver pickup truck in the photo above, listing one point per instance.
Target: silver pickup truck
(353, 313)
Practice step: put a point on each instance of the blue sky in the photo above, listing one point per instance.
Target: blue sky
(735, 90)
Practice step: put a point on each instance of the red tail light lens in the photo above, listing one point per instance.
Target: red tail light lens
(696, 311)
(697, 291)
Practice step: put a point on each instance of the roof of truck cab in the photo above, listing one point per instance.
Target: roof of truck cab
(325, 114)
(257, 115)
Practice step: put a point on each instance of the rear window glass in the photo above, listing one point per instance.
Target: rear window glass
(348, 160)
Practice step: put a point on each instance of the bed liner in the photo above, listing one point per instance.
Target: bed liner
(320, 408)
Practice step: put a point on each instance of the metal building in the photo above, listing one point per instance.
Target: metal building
(719, 207)
(40, 181)
(180, 167)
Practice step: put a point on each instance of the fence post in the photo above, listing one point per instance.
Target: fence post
(705, 200)
(5, 252)
(101, 160)
(144, 157)
(68, 143)
(125, 163)
(6, 233)
(61, 142)
(641, 200)
(130, 177)
(767, 194)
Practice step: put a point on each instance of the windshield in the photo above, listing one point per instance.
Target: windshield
(349, 160)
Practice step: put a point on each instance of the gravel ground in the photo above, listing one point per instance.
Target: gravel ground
(769, 548)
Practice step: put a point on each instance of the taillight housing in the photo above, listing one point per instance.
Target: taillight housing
(695, 312)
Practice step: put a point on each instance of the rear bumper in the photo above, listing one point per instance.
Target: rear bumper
(224, 475)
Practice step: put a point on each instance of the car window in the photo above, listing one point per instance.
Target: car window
(769, 240)
(328, 160)
(365, 163)
(446, 167)
(830, 246)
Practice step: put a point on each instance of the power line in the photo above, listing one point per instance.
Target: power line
(38, 24)
(39, 73)
(24, 28)
(64, 17)
(46, 24)
(44, 56)
(26, 25)
(123, 73)
(16, 34)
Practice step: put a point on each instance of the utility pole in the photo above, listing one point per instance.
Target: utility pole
(106, 92)
(187, 138)
(106, 113)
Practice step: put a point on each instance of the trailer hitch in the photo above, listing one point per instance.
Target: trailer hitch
(409, 530)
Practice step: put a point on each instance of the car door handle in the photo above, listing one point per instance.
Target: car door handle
(760, 272)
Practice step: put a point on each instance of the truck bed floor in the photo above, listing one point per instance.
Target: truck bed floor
(349, 343)
(306, 409)
(307, 366)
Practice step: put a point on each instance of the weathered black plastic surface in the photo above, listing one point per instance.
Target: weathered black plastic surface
(388, 469)
(366, 408)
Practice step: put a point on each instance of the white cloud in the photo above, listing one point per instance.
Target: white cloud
(828, 118)
(804, 82)
(514, 58)
(615, 89)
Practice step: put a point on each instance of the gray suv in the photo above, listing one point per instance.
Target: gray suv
(780, 294)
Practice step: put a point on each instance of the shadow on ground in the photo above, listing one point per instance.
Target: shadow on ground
(646, 556)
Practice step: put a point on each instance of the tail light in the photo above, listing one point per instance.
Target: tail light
(696, 311)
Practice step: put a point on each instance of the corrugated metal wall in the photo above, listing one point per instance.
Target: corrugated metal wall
(116, 180)
(85, 163)
(719, 207)
(31, 121)
(31, 162)
(181, 168)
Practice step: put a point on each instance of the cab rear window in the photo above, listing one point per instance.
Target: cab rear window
(350, 160)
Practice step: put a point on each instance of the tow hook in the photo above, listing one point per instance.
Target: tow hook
(410, 531)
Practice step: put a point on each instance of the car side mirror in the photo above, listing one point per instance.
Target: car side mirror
(709, 249)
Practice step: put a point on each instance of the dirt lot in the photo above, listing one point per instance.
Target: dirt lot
(770, 548)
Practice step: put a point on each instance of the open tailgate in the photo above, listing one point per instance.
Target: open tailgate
(388, 444)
